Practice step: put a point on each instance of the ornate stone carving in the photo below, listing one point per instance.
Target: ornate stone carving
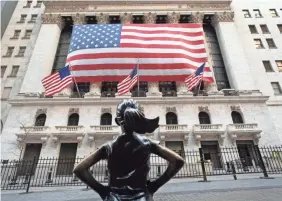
(235, 108)
(55, 141)
(197, 17)
(94, 92)
(203, 109)
(53, 19)
(150, 18)
(103, 18)
(73, 110)
(78, 18)
(106, 110)
(173, 18)
(44, 141)
(222, 17)
(171, 109)
(79, 140)
(126, 18)
(41, 111)
(91, 140)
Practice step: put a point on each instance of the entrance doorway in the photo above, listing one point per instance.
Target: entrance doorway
(66, 158)
(211, 152)
(247, 153)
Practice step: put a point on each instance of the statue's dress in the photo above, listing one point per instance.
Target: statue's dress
(128, 165)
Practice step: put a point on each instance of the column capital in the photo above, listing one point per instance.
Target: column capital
(222, 17)
(150, 18)
(173, 18)
(78, 18)
(103, 18)
(197, 17)
(53, 19)
(126, 18)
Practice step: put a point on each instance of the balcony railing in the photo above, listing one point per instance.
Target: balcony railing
(140, 94)
(208, 128)
(173, 128)
(104, 129)
(77, 95)
(69, 128)
(243, 128)
(108, 94)
(169, 93)
(34, 129)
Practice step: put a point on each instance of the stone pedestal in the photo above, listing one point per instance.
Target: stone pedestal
(153, 90)
(182, 90)
(95, 90)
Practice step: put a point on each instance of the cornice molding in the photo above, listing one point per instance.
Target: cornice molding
(52, 19)
(153, 100)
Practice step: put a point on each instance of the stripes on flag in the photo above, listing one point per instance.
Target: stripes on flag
(128, 83)
(57, 81)
(166, 52)
(194, 79)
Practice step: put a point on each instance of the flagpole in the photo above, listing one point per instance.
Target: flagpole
(138, 77)
(201, 81)
(75, 82)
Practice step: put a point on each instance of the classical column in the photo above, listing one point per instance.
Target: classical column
(150, 18)
(103, 18)
(197, 17)
(126, 18)
(173, 18)
(43, 55)
(236, 65)
(95, 90)
(78, 19)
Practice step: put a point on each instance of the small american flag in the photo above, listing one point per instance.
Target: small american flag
(194, 79)
(129, 82)
(56, 82)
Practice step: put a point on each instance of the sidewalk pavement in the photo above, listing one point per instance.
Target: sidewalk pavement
(175, 187)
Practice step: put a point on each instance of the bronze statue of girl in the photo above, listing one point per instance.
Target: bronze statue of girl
(128, 159)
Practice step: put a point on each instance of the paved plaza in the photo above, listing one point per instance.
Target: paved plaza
(244, 189)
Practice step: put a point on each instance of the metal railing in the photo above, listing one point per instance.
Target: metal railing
(204, 162)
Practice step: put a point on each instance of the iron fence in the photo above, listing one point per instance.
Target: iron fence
(44, 172)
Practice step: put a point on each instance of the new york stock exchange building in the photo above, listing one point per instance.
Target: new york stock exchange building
(242, 108)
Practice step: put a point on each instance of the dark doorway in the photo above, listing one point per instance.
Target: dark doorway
(204, 118)
(211, 152)
(247, 153)
(31, 155)
(73, 119)
(171, 118)
(66, 158)
(106, 119)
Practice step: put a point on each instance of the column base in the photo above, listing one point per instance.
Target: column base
(154, 94)
(215, 93)
(61, 95)
(127, 95)
(184, 94)
(92, 95)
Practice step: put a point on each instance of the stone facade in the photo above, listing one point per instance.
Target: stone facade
(251, 96)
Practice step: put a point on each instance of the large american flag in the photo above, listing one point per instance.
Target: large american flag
(128, 83)
(57, 81)
(194, 79)
(108, 52)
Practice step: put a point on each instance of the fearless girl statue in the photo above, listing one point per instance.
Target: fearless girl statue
(128, 158)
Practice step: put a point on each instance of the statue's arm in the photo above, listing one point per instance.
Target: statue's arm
(175, 164)
(82, 172)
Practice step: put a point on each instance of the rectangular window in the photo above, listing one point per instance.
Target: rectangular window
(258, 43)
(9, 52)
(264, 29)
(270, 43)
(16, 34)
(279, 27)
(33, 19)
(273, 13)
(38, 5)
(28, 4)
(276, 88)
(279, 65)
(27, 34)
(267, 66)
(21, 52)
(14, 72)
(3, 70)
(257, 13)
(253, 29)
(23, 18)
(6, 92)
(247, 14)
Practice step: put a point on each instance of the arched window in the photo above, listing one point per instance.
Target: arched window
(40, 120)
(237, 118)
(73, 119)
(106, 119)
(171, 118)
(204, 118)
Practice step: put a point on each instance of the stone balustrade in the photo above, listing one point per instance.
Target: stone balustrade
(173, 128)
(104, 129)
(209, 132)
(34, 129)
